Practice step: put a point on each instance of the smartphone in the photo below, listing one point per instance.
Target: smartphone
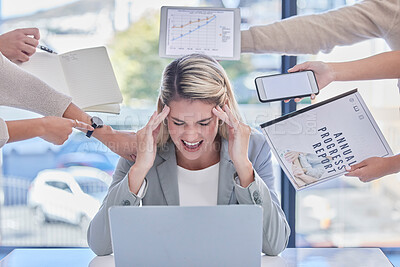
(285, 86)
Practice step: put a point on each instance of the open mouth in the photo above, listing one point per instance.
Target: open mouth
(191, 146)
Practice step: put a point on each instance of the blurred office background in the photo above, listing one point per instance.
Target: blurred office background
(341, 213)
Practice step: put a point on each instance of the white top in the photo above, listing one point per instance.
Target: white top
(198, 188)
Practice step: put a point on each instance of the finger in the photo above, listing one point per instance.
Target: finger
(31, 31)
(297, 99)
(357, 166)
(231, 116)
(22, 57)
(82, 126)
(150, 122)
(286, 100)
(222, 115)
(298, 67)
(31, 41)
(156, 131)
(28, 49)
(160, 117)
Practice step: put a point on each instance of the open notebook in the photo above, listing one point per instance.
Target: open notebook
(85, 74)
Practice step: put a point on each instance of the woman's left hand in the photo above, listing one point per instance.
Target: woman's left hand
(239, 135)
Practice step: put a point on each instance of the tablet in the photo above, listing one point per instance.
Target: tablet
(211, 31)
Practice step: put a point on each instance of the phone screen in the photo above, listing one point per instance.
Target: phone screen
(286, 86)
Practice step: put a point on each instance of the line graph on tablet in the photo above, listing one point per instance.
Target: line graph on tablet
(200, 31)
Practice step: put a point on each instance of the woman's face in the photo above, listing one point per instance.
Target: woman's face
(193, 128)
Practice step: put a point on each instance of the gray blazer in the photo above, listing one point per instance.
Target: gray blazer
(162, 189)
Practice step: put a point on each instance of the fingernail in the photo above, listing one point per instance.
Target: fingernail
(348, 168)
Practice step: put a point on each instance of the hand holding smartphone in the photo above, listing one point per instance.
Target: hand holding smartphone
(285, 86)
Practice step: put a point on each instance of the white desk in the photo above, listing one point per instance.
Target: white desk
(332, 257)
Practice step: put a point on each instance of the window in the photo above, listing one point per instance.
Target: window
(59, 185)
(129, 29)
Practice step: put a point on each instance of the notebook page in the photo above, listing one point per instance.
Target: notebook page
(47, 67)
(90, 77)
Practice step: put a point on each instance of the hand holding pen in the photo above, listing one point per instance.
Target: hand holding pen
(18, 45)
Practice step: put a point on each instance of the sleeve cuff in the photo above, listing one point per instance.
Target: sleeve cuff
(126, 197)
(252, 194)
(142, 189)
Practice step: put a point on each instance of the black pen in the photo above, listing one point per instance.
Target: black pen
(44, 48)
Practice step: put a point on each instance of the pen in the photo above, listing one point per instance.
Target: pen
(44, 48)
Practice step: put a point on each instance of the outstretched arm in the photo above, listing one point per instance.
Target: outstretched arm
(380, 66)
(374, 168)
(121, 143)
(311, 34)
(35, 95)
(52, 129)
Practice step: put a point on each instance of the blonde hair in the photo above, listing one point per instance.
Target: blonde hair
(196, 77)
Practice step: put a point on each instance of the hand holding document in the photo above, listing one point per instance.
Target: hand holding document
(317, 143)
(86, 75)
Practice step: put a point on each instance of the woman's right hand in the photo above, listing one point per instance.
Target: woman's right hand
(147, 138)
(146, 150)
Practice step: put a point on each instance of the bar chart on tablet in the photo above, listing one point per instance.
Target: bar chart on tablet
(200, 31)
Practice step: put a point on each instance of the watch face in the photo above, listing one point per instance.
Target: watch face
(97, 121)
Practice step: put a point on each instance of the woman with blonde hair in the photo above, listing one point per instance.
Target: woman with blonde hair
(196, 151)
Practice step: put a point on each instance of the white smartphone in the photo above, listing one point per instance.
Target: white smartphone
(285, 86)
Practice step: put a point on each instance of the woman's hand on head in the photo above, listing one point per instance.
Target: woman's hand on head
(147, 139)
(239, 136)
(324, 74)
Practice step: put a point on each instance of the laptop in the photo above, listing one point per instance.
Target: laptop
(186, 236)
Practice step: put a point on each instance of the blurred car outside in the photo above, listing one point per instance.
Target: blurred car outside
(72, 195)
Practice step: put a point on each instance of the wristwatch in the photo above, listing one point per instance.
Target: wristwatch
(96, 123)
